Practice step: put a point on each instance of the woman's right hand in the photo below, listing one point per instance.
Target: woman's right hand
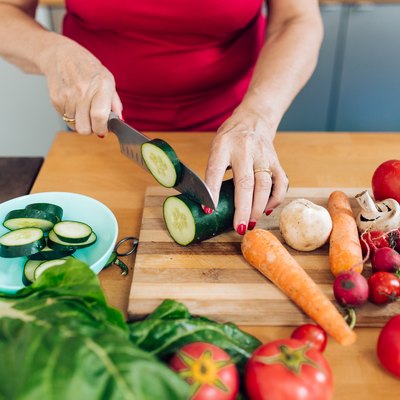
(80, 87)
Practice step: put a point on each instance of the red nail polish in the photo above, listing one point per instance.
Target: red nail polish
(268, 212)
(208, 210)
(122, 118)
(251, 225)
(241, 229)
(100, 136)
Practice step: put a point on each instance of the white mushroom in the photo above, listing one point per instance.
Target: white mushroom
(383, 215)
(305, 226)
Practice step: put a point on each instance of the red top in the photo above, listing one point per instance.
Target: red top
(178, 64)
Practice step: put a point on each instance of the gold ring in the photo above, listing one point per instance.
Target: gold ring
(68, 120)
(267, 170)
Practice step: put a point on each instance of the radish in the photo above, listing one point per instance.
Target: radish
(350, 289)
(385, 259)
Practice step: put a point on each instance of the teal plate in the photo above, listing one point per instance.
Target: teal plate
(76, 207)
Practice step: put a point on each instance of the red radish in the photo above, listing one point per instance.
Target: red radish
(385, 259)
(350, 289)
(373, 240)
(311, 334)
(384, 287)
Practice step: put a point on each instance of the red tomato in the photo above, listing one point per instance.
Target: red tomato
(208, 369)
(311, 334)
(384, 287)
(288, 369)
(386, 181)
(388, 347)
(373, 240)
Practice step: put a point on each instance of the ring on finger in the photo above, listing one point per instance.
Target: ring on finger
(68, 120)
(267, 170)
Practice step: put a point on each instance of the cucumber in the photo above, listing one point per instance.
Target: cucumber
(49, 254)
(43, 266)
(29, 271)
(29, 218)
(21, 242)
(187, 223)
(72, 231)
(48, 208)
(162, 162)
(55, 243)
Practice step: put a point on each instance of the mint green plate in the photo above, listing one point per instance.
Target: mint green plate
(76, 207)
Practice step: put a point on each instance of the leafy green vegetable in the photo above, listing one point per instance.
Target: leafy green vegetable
(60, 340)
(171, 326)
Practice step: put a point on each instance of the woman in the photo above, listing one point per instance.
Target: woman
(179, 65)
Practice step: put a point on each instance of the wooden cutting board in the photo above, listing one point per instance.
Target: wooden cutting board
(214, 280)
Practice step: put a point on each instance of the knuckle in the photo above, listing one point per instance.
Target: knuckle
(245, 182)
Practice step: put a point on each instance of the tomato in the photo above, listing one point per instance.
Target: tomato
(388, 346)
(374, 240)
(384, 287)
(208, 369)
(386, 181)
(288, 369)
(312, 334)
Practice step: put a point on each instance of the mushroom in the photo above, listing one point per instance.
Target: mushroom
(383, 215)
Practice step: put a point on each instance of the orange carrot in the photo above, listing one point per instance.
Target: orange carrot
(344, 244)
(266, 253)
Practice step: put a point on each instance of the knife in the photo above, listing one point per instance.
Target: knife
(131, 140)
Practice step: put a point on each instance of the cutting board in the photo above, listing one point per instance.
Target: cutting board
(214, 280)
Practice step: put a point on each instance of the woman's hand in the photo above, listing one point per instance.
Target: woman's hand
(80, 87)
(245, 142)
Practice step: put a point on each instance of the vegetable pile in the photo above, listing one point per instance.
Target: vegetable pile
(39, 233)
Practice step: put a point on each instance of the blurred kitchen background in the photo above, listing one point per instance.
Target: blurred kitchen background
(356, 86)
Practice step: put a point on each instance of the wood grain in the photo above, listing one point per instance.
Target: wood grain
(213, 279)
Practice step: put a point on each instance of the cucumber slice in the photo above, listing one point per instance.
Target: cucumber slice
(187, 223)
(21, 242)
(55, 243)
(162, 161)
(48, 208)
(29, 271)
(49, 254)
(43, 266)
(72, 231)
(29, 218)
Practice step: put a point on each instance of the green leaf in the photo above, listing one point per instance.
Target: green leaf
(163, 333)
(44, 362)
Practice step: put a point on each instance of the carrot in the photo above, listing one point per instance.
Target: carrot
(265, 252)
(344, 244)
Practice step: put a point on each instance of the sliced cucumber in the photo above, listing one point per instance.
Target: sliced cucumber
(48, 208)
(162, 161)
(55, 243)
(22, 242)
(29, 271)
(188, 223)
(43, 266)
(49, 254)
(72, 231)
(29, 218)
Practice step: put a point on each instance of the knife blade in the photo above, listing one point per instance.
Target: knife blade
(131, 140)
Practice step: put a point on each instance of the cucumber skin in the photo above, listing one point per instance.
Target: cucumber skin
(219, 221)
(23, 250)
(49, 208)
(31, 214)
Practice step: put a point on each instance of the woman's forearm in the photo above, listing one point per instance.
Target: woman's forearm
(24, 41)
(286, 62)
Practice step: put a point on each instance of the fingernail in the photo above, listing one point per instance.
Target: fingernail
(251, 225)
(268, 212)
(241, 229)
(100, 136)
(208, 210)
(122, 118)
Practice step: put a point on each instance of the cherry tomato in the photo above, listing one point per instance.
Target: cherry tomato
(384, 287)
(288, 369)
(388, 347)
(386, 181)
(208, 369)
(373, 240)
(311, 334)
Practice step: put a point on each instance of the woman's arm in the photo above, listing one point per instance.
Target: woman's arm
(79, 85)
(245, 140)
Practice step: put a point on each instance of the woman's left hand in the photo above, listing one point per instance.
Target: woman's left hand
(245, 142)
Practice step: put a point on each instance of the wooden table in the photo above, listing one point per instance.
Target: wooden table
(95, 167)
